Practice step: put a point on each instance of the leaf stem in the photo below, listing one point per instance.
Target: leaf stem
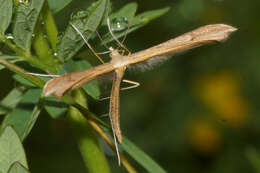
(25, 56)
(44, 38)
(125, 162)
(35, 80)
(92, 121)
(91, 152)
(11, 45)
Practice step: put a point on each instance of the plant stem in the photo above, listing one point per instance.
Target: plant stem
(35, 80)
(25, 56)
(125, 162)
(50, 26)
(92, 121)
(45, 54)
(43, 37)
(11, 45)
(91, 152)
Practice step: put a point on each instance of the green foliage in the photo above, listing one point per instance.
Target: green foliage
(25, 20)
(11, 150)
(127, 11)
(254, 158)
(22, 80)
(143, 159)
(135, 22)
(54, 107)
(18, 168)
(12, 59)
(10, 101)
(32, 43)
(23, 117)
(71, 41)
(88, 141)
(57, 6)
(6, 15)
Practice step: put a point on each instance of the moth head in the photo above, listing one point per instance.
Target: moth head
(114, 52)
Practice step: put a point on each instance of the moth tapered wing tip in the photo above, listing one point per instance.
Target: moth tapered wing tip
(227, 27)
(118, 134)
(213, 32)
(221, 27)
(232, 28)
(119, 138)
(48, 90)
(228, 30)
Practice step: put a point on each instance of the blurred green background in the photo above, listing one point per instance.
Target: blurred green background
(198, 112)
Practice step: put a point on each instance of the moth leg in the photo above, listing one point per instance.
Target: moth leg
(134, 84)
(104, 98)
(43, 75)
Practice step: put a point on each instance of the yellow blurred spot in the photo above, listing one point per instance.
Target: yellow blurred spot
(234, 111)
(204, 137)
(221, 92)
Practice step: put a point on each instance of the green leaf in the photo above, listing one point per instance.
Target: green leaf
(86, 137)
(23, 81)
(25, 20)
(96, 13)
(67, 67)
(54, 107)
(136, 153)
(137, 22)
(11, 149)
(128, 11)
(57, 6)
(87, 23)
(254, 158)
(142, 158)
(91, 87)
(18, 168)
(10, 101)
(6, 8)
(23, 117)
(148, 16)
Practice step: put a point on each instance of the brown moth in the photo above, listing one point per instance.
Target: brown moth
(58, 86)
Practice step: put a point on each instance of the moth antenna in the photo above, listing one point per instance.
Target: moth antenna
(128, 26)
(85, 40)
(99, 36)
(114, 37)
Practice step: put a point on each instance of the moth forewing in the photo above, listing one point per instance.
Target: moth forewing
(200, 36)
(58, 86)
